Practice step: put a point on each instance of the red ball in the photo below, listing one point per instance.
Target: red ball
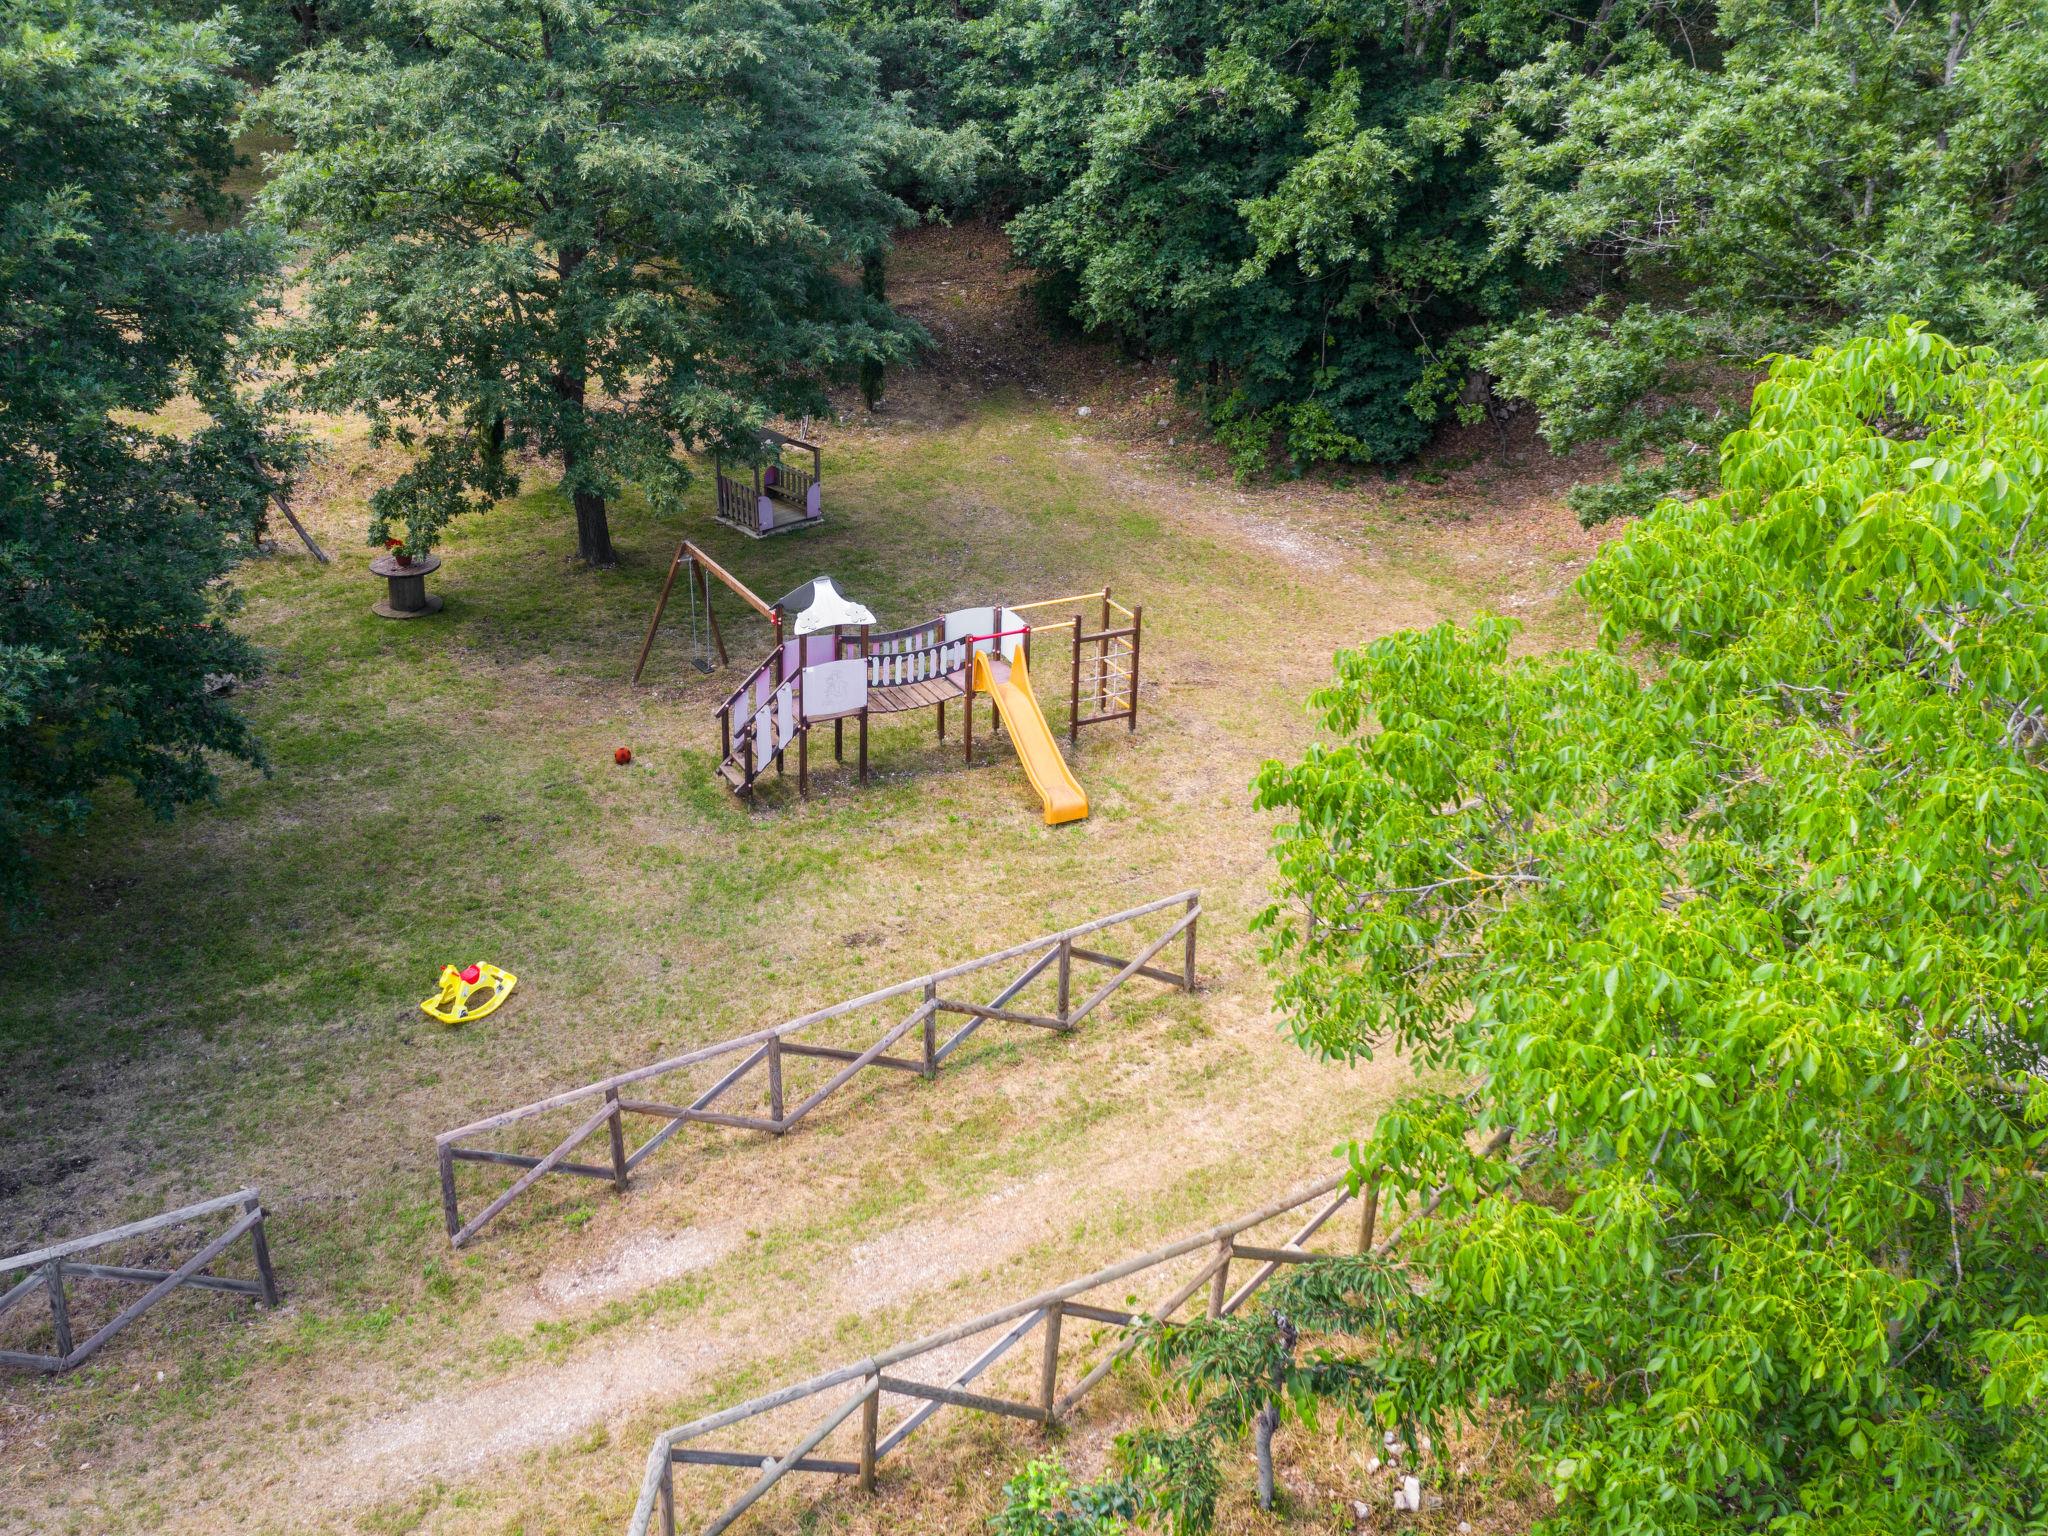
(623, 755)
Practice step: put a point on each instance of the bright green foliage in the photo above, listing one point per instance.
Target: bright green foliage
(113, 537)
(1043, 1500)
(1738, 923)
(1289, 200)
(1239, 1374)
(597, 233)
(1788, 173)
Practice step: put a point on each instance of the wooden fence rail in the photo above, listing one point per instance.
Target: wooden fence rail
(882, 1376)
(50, 1268)
(765, 1051)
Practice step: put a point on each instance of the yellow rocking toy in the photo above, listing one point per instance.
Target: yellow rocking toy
(469, 993)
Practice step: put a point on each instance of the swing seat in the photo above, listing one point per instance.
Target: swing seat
(461, 1000)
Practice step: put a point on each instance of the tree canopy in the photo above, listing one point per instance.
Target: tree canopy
(593, 233)
(1288, 201)
(1791, 174)
(1737, 923)
(114, 536)
(1347, 223)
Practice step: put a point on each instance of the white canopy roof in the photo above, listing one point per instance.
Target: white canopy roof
(827, 608)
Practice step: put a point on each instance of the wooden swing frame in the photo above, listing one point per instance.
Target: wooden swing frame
(702, 569)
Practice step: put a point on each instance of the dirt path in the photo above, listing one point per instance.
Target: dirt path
(924, 1261)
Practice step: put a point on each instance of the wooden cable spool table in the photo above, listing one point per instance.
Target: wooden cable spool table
(407, 597)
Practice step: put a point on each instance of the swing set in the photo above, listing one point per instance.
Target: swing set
(705, 638)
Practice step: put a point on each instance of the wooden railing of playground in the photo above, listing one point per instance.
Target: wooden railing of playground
(736, 502)
(50, 1268)
(792, 484)
(1102, 683)
(605, 1104)
(1041, 1400)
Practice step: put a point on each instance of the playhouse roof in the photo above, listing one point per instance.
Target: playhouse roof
(818, 604)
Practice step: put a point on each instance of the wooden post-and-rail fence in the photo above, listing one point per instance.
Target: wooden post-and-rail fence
(48, 1270)
(1041, 1401)
(605, 1104)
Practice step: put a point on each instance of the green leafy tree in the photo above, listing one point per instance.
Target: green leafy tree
(114, 537)
(1244, 1374)
(271, 32)
(1781, 174)
(1737, 922)
(932, 61)
(594, 232)
(1291, 201)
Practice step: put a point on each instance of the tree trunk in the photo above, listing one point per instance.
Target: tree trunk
(593, 531)
(874, 282)
(1262, 1440)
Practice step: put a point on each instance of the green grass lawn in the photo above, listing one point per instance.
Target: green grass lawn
(232, 998)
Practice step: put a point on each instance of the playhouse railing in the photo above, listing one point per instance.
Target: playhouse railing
(753, 732)
(736, 502)
(792, 484)
(602, 1106)
(915, 655)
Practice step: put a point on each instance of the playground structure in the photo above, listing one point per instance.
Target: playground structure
(783, 493)
(772, 1051)
(844, 672)
(1202, 1259)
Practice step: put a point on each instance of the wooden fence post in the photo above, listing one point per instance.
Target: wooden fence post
(1074, 693)
(448, 1210)
(1049, 1371)
(260, 1244)
(668, 1496)
(1102, 662)
(1137, 636)
(60, 1313)
(931, 1029)
(775, 1083)
(870, 1418)
(1369, 1215)
(617, 1125)
(1066, 979)
(1219, 1287)
(1187, 980)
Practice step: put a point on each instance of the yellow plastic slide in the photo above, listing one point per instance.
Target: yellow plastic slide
(1032, 738)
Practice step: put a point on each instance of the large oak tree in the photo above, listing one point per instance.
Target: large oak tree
(597, 230)
(113, 300)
